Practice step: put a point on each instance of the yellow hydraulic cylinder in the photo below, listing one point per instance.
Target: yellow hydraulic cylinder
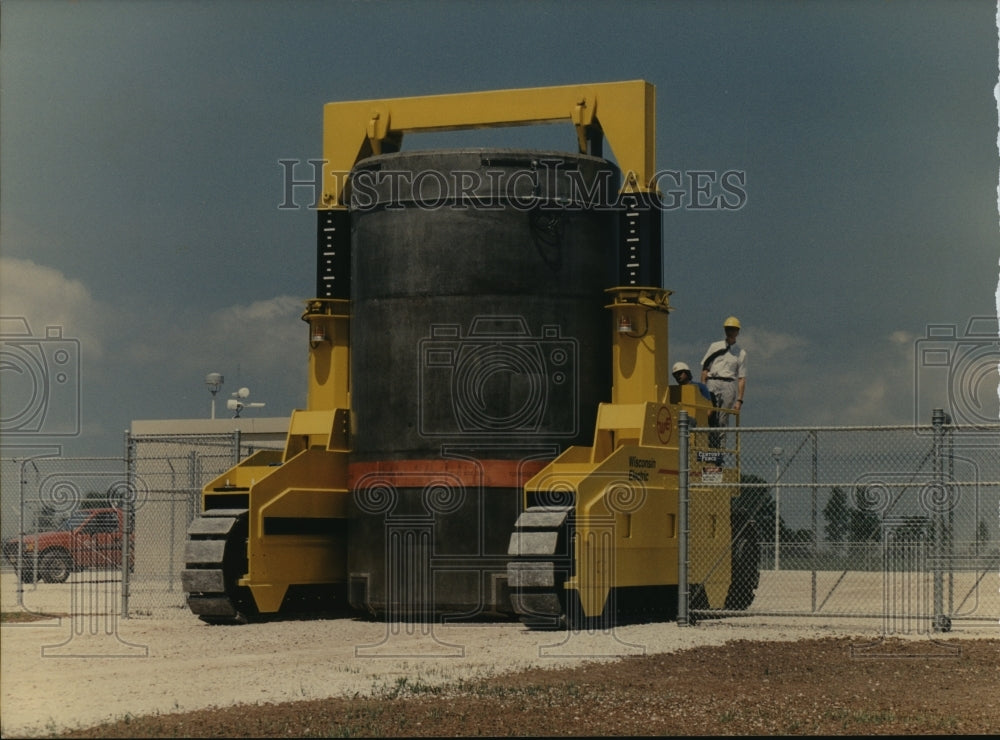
(641, 366)
(329, 360)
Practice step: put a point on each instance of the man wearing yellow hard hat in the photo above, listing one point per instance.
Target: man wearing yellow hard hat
(724, 371)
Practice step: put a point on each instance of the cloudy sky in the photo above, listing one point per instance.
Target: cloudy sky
(140, 145)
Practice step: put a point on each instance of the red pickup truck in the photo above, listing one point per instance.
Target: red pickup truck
(90, 538)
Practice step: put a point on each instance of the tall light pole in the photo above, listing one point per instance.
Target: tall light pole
(777, 452)
(214, 382)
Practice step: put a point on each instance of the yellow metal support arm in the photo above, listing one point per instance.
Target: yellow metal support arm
(624, 112)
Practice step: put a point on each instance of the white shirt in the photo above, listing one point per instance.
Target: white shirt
(729, 364)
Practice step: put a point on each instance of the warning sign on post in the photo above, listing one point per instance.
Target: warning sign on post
(711, 474)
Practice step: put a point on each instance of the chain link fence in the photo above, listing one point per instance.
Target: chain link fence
(62, 518)
(895, 523)
(900, 524)
(168, 473)
(156, 487)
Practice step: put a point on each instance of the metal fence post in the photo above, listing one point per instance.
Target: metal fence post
(194, 491)
(20, 534)
(949, 456)
(682, 518)
(815, 522)
(128, 517)
(938, 419)
(22, 556)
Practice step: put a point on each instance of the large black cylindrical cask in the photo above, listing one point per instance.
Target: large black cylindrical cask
(480, 349)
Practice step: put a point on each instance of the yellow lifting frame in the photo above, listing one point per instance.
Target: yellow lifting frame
(624, 112)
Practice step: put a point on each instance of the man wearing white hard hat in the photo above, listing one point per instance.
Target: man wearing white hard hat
(682, 374)
(724, 371)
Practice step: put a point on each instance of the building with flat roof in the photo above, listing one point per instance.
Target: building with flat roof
(266, 429)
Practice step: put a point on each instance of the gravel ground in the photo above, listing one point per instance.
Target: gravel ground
(65, 673)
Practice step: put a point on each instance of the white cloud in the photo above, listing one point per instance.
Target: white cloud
(260, 344)
(764, 345)
(45, 297)
(902, 337)
(265, 335)
(151, 360)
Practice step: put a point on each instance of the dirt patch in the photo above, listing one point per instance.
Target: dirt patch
(810, 687)
(161, 677)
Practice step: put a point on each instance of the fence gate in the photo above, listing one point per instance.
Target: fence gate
(900, 524)
(68, 544)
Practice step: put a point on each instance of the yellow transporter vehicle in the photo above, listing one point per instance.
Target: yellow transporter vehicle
(272, 534)
(383, 503)
(598, 540)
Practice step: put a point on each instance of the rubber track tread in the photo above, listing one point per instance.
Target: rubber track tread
(214, 551)
(539, 565)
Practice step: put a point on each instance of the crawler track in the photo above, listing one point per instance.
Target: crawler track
(216, 558)
(541, 561)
